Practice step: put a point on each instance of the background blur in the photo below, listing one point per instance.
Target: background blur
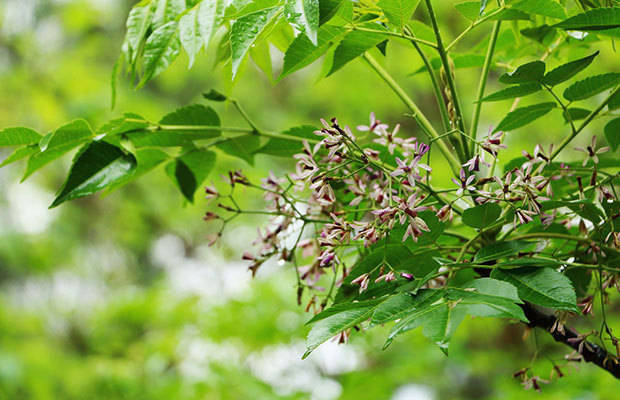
(119, 297)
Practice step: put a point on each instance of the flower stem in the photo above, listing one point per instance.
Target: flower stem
(417, 113)
(473, 130)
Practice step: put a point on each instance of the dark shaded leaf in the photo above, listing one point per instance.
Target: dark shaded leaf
(500, 250)
(530, 72)
(96, 166)
(302, 52)
(612, 133)
(190, 170)
(287, 147)
(481, 216)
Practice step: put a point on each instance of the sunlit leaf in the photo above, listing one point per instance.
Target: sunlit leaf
(160, 50)
(398, 12)
(353, 45)
(542, 286)
(18, 136)
(304, 14)
(245, 31)
(548, 8)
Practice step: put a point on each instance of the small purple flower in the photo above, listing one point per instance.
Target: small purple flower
(374, 125)
(464, 182)
(591, 151)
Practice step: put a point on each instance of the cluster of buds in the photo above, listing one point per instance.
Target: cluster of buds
(350, 191)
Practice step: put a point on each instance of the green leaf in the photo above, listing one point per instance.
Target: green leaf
(614, 102)
(575, 114)
(530, 72)
(288, 147)
(328, 9)
(486, 297)
(523, 116)
(508, 14)
(469, 9)
(210, 16)
(514, 91)
(593, 20)
(548, 8)
(543, 34)
(612, 133)
(96, 166)
(481, 216)
(583, 208)
(328, 327)
(196, 114)
(18, 136)
(398, 12)
(353, 45)
(160, 50)
(242, 147)
(245, 31)
(304, 14)
(190, 170)
(591, 86)
(401, 304)
(341, 307)
(21, 153)
(439, 321)
(542, 286)
(566, 71)
(147, 160)
(167, 10)
(261, 55)
(302, 52)
(500, 249)
(215, 95)
(57, 143)
(130, 122)
(138, 22)
(74, 132)
(190, 35)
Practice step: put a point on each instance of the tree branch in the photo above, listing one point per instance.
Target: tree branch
(589, 351)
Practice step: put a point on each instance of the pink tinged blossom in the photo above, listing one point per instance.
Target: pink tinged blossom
(492, 143)
(248, 257)
(389, 277)
(474, 163)
(211, 192)
(445, 213)
(362, 280)
(524, 216)
(326, 258)
(464, 182)
(407, 276)
(373, 125)
(592, 152)
(210, 216)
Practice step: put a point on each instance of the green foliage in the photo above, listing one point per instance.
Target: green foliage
(433, 280)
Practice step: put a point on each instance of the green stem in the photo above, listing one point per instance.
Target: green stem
(436, 88)
(473, 130)
(246, 117)
(472, 26)
(585, 123)
(443, 54)
(417, 113)
(395, 34)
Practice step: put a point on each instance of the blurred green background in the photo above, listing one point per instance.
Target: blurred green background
(119, 297)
